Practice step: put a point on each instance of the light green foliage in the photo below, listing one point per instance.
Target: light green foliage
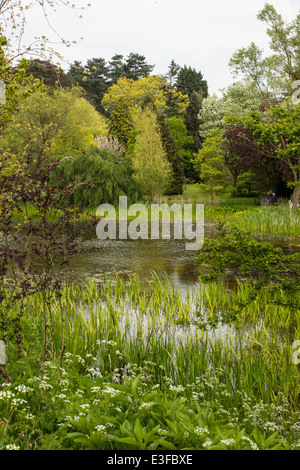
(18, 87)
(210, 164)
(152, 171)
(76, 408)
(110, 172)
(135, 92)
(272, 75)
(53, 124)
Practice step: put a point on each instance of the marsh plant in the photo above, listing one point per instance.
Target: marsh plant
(144, 367)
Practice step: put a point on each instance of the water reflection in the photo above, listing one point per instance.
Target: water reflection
(140, 257)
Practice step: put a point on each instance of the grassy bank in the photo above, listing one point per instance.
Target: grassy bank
(267, 220)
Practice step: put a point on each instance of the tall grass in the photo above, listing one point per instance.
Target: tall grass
(268, 220)
(125, 323)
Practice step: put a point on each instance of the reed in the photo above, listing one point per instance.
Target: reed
(125, 323)
(278, 220)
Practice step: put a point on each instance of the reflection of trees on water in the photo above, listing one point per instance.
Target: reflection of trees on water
(139, 257)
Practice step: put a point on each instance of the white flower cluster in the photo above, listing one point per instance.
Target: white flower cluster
(23, 389)
(6, 394)
(201, 431)
(105, 341)
(111, 392)
(12, 447)
(253, 445)
(146, 405)
(100, 428)
(227, 442)
(207, 443)
(177, 388)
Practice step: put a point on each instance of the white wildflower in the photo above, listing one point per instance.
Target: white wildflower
(61, 395)
(201, 431)
(23, 389)
(6, 394)
(110, 391)
(85, 406)
(146, 406)
(227, 442)
(12, 447)
(100, 428)
(207, 443)
(162, 432)
(44, 385)
(177, 388)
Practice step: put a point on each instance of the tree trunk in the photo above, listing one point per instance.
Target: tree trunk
(295, 197)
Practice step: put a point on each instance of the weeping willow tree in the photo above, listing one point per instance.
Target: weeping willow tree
(110, 173)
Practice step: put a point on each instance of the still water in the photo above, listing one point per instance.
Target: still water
(143, 257)
(138, 257)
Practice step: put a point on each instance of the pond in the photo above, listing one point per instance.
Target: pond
(140, 257)
(143, 257)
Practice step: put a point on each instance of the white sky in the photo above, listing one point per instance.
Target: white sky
(202, 34)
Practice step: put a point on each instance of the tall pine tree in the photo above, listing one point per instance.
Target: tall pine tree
(189, 80)
(191, 119)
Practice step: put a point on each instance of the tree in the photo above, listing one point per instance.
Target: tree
(243, 153)
(185, 145)
(110, 173)
(174, 157)
(92, 78)
(278, 133)
(190, 81)
(121, 122)
(237, 99)
(172, 74)
(76, 72)
(284, 39)
(210, 163)
(274, 75)
(192, 120)
(51, 125)
(50, 75)
(152, 171)
(135, 91)
(116, 68)
(133, 67)
(235, 152)
(95, 82)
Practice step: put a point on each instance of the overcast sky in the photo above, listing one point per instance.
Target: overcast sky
(202, 34)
